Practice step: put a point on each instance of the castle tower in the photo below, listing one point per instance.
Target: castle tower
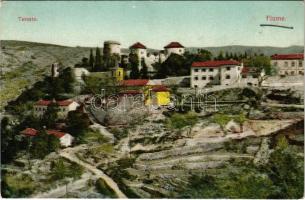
(140, 50)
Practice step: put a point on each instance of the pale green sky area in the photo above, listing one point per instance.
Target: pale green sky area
(154, 23)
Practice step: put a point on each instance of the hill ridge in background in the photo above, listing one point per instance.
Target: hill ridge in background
(266, 50)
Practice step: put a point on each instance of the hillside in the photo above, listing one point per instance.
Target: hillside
(266, 50)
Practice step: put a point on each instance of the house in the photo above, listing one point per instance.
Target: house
(158, 95)
(118, 73)
(174, 47)
(65, 139)
(153, 92)
(65, 106)
(288, 64)
(250, 76)
(216, 72)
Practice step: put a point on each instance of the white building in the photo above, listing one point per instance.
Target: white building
(79, 72)
(65, 106)
(288, 64)
(250, 76)
(112, 47)
(65, 139)
(224, 72)
(140, 50)
(174, 47)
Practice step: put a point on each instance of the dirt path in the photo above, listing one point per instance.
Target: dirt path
(68, 154)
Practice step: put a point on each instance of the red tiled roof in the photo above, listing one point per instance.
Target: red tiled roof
(215, 63)
(174, 45)
(29, 132)
(48, 102)
(160, 88)
(138, 45)
(134, 82)
(56, 133)
(246, 70)
(132, 92)
(34, 132)
(287, 56)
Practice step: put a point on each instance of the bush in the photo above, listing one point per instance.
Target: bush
(61, 169)
(103, 188)
(178, 121)
(14, 185)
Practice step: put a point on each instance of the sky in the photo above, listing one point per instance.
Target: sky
(153, 23)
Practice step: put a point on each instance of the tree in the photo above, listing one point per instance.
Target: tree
(174, 65)
(77, 122)
(43, 144)
(98, 60)
(220, 56)
(144, 70)
(203, 55)
(91, 61)
(67, 79)
(51, 115)
(263, 67)
(9, 144)
(134, 64)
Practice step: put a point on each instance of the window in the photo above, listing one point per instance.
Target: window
(244, 76)
(254, 75)
(275, 64)
(196, 86)
(292, 73)
(180, 50)
(211, 70)
(286, 64)
(142, 52)
(292, 64)
(204, 78)
(202, 70)
(228, 76)
(195, 70)
(211, 78)
(195, 78)
(301, 72)
(228, 68)
(300, 63)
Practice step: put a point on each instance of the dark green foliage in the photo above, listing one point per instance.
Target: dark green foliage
(134, 65)
(104, 189)
(16, 185)
(61, 169)
(67, 80)
(286, 170)
(281, 178)
(174, 65)
(43, 144)
(9, 143)
(91, 61)
(144, 70)
(77, 122)
(179, 121)
(50, 116)
(98, 66)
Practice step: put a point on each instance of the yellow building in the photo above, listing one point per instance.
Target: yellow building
(118, 73)
(158, 95)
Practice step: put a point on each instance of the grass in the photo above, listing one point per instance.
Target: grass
(93, 136)
(20, 185)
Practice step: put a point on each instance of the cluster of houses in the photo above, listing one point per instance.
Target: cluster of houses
(154, 92)
(230, 72)
(64, 107)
